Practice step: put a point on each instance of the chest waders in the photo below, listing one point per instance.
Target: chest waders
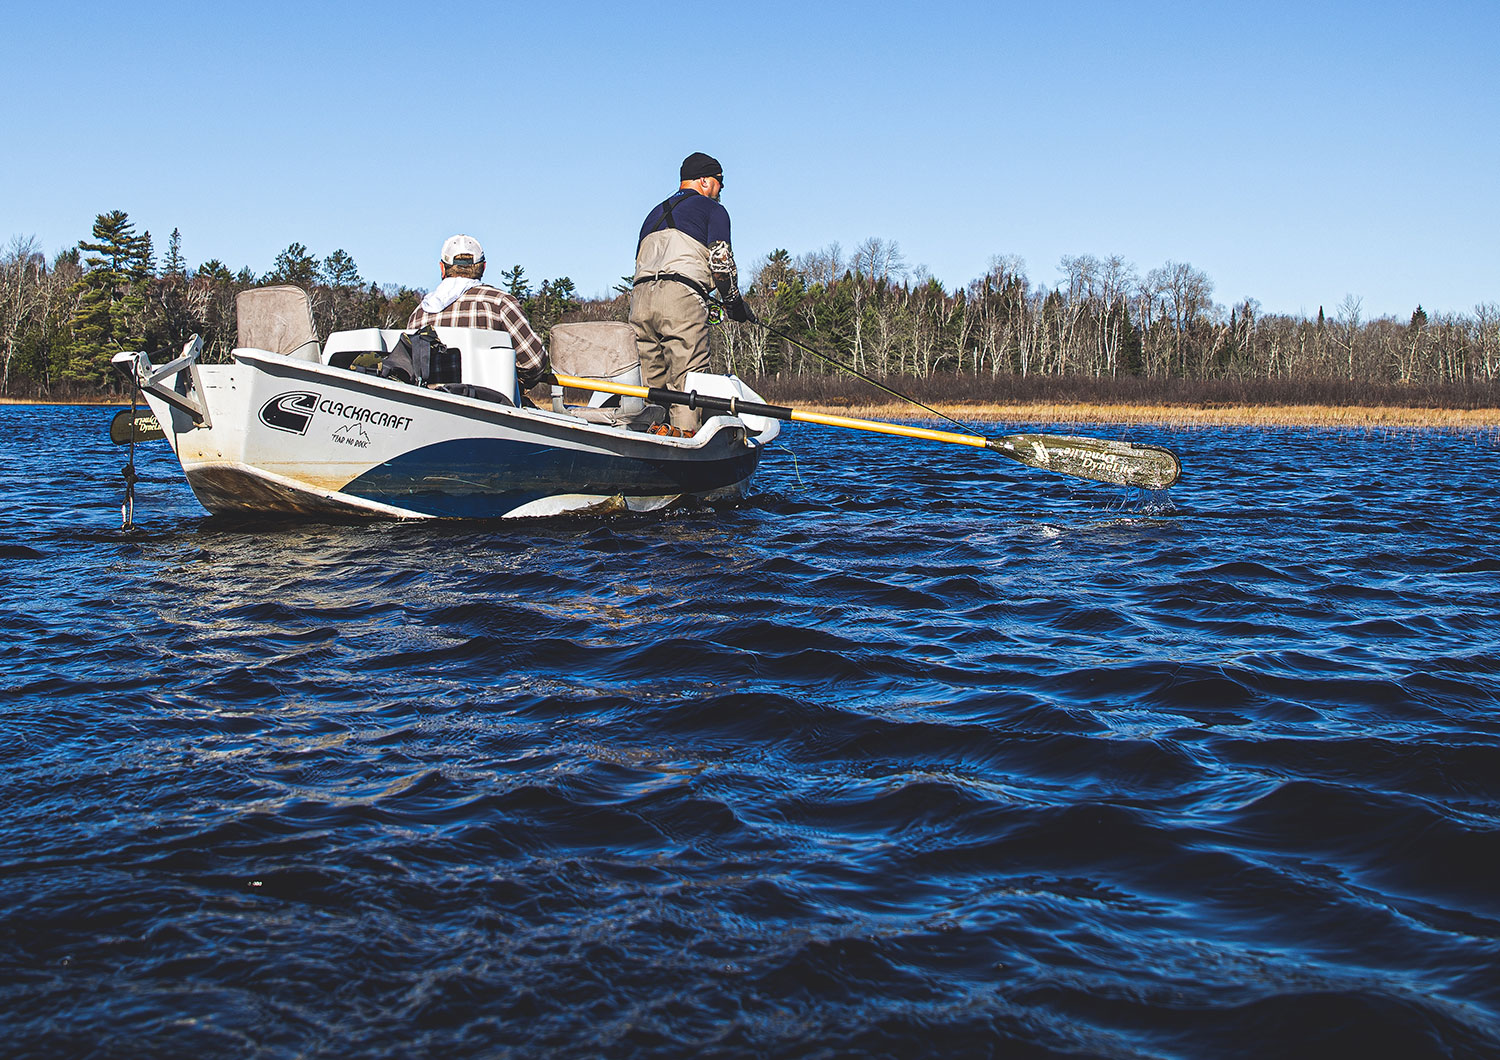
(667, 221)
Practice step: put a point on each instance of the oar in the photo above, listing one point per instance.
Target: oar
(1123, 463)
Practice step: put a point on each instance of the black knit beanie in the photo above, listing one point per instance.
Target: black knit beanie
(699, 164)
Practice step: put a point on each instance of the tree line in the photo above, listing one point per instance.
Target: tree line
(1102, 320)
(61, 321)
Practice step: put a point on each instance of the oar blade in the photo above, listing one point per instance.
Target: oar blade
(1123, 463)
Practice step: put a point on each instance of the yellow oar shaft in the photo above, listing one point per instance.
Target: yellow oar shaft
(888, 428)
(784, 413)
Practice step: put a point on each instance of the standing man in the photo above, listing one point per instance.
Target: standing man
(682, 256)
(461, 301)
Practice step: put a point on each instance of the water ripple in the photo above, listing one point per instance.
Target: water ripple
(909, 753)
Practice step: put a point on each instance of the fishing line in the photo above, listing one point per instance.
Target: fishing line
(795, 467)
(856, 372)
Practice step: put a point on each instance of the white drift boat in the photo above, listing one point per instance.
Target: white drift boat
(289, 427)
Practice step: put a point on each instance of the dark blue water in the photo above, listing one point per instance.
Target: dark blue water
(915, 752)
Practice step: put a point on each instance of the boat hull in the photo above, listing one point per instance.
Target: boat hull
(274, 435)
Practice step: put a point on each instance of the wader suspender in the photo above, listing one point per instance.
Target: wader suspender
(667, 221)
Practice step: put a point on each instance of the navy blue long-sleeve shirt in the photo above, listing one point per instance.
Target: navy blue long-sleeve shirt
(694, 215)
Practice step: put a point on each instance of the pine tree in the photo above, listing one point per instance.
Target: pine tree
(215, 272)
(340, 271)
(341, 307)
(778, 269)
(566, 294)
(549, 304)
(118, 248)
(110, 313)
(514, 279)
(1132, 356)
(295, 266)
(172, 317)
(147, 255)
(174, 265)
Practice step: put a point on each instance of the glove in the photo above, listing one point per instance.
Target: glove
(740, 312)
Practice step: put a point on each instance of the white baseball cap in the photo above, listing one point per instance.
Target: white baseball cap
(462, 246)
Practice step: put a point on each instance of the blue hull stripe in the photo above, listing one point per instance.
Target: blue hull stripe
(488, 477)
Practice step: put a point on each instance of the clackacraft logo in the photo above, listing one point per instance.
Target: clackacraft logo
(290, 412)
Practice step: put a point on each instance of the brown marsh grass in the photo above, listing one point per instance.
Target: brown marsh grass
(1178, 402)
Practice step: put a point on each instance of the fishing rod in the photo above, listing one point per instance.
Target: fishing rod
(1122, 463)
(716, 316)
(856, 372)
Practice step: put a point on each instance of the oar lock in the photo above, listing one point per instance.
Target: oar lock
(695, 402)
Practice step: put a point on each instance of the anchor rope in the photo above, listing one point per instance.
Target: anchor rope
(127, 505)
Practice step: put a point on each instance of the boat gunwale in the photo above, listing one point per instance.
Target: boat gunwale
(446, 401)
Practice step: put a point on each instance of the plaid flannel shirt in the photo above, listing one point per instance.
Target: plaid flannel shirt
(482, 306)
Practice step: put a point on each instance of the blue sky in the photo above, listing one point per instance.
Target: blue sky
(1297, 153)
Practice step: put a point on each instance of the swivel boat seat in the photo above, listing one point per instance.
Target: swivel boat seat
(600, 349)
(278, 320)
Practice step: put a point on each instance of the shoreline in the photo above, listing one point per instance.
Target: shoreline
(1146, 415)
(1185, 415)
(102, 403)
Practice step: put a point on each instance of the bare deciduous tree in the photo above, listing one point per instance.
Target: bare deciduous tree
(23, 272)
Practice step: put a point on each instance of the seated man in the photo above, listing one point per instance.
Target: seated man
(461, 301)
